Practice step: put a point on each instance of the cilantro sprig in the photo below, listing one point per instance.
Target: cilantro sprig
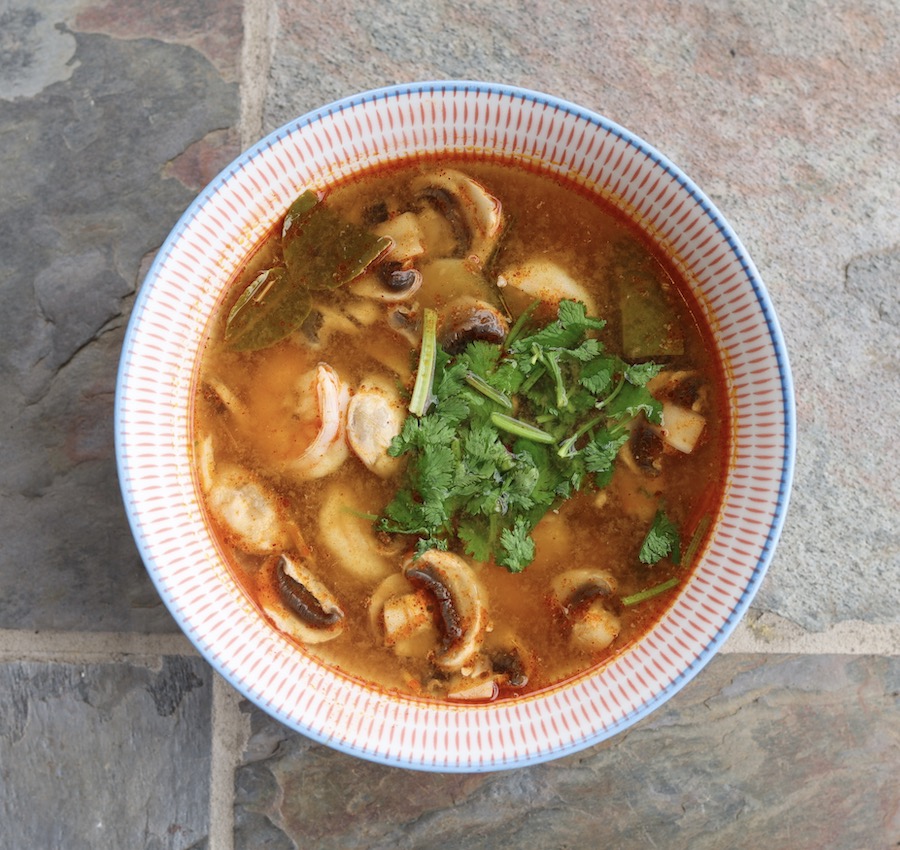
(662, 540)
(513, 431)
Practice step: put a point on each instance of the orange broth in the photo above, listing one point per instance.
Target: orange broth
(545, 217)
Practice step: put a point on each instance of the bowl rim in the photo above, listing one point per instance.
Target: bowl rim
(763, 300)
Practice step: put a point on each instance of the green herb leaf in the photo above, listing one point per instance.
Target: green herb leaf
(298, 212)
(322, 251)
(601, 452)
(662, 540)
(639, 373)
(597, 375)
(479, 479)
(482, 357)
(269, 309)
(631, 401)
(475, 535)
(517, 545)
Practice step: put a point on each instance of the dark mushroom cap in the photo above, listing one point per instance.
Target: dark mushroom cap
(303, 602)
(399, 280)
(647, 449)
(451, 622)
(470, 321)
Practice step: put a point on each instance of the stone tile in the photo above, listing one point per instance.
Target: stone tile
(213, 27)
(105, 755)
(797, 751)
(785, 115)
(103, 144)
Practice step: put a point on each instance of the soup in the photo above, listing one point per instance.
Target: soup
(459, 431)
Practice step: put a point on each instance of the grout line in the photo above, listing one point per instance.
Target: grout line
(229, 739)
(771, 634)
(766, 634)
(228, 724)
(31, 645)
(256, 59)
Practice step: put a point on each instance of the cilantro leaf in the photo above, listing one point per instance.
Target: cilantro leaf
(602, 450)
(632, 401)
(662, 540)
(574, 314)
(508, 378)
(475, 535)
(482, 357)
(587, 351)
(517, 546)
(639, 373)
(567, 331)
(477, 477)
(597, 375)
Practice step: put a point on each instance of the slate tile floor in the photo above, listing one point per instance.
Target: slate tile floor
(114, 733)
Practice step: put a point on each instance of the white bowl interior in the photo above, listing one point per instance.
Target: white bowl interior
(154, 403)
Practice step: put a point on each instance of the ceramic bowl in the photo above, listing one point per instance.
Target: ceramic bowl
(157, 380)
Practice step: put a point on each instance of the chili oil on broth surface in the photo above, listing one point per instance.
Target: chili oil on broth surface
(277, 482)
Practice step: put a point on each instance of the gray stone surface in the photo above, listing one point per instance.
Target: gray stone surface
(114, 113)
(103, 143)
(105, 755)
(787, 116)
(798, 752)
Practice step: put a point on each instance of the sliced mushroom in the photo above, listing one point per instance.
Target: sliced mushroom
(511, 666)
(448, 279)
(511, 663)
(474, 216)
(299, 603)
(637, 494)
(502, 663)
(468, 689)
(597, 629)
(375, 416)
(477, 681)
(683, 387)
(683, 397)
(349, 536)
(544, 280)
(646, 447)
(460, 601)
(407, 322)
(403, 618)
(324, 399)
(681, 428)
(244, 507)
(389, 282)
(573, 588)
(586, 598)
(467, 320)
(406, 232)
